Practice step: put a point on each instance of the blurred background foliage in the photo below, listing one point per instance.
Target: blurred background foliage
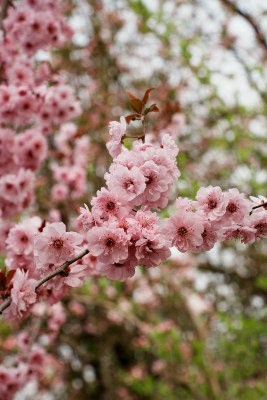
(194, 328)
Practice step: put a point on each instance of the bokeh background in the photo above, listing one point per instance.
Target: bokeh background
(195, 327)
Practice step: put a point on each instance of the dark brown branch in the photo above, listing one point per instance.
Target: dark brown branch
(260, 205)
(259, 34)
(60, 269)
(5, 4)
(46, 278)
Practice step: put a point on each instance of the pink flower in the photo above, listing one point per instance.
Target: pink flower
(23, 293)
(86, 218)
(151, 252)
(116, 131)
(168, 143)
(237, 207)
(209, 236)
(184, 229)
(157, 182)
(55, 245)
(236, 231)
(21, 236)
(125, 182)
(212, 202)
(184, 203)
(108, 204)
(108, 243)
(117, 271)
(258, 221)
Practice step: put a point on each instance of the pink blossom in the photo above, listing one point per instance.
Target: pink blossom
(157, 181)
(184, 229)
(237, 207)
(212, 202)
(168, 143)
(21, 236)
(22, 294)
(108, 204)
(117, 271)
(116, 131)
(209, 236)
(258, 221)
(55, 245)
(125, 182)
(151, 252)
(86, 218)
(245, 233)
(184, 203)
(108, 243)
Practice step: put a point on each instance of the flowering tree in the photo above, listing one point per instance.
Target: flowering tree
(125, 226)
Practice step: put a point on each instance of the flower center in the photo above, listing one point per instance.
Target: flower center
(182, 231)
(24, 238)
(110, 205)
(149, 180)
(128, 185)
(212, 204)
(58, 243)
(231, 207)
(110, 242)
(260, 228)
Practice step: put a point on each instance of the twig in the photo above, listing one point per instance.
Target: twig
(46, 278)
(260, 205)
(259, 34)
(60, 269)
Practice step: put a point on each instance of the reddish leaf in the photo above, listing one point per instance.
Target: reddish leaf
(146, 95)
(153, 108)
(10, 276)
(130, 117)
(2, 281)
(137, 105)
(131, 96)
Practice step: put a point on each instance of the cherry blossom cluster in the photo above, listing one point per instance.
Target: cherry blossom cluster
(122, 236)
(119, 235)
(34, 25)
(32, 99)
(215, 216)
(71, 174)
(27, 360)
(13, 379)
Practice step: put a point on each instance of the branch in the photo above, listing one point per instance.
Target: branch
(46, 278)
(259, 34)
(5, 4)
(260, 205)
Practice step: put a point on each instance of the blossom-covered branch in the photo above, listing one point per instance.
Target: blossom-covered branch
(6, 303)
